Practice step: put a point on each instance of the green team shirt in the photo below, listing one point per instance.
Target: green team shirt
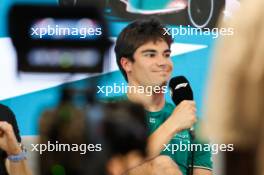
(202, 158)
(183, 158)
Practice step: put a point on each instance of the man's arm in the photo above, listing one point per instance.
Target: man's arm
(200, 171)
(160, 165)
(202, 162)
(10, 145)
(18, 168)
(183, 117)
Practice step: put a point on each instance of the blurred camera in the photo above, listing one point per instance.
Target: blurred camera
(56, 39)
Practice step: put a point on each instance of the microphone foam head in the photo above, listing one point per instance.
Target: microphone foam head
(180, 89)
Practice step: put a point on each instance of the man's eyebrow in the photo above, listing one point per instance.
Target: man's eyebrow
(167, 50)
(148, 50)
(154, 51)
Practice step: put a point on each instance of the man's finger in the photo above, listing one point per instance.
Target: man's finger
(5, 127)
(1, 133)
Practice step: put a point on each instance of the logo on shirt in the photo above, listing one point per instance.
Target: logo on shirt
(152, 120)
(181, 137)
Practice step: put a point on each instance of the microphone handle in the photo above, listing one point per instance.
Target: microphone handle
(192, 133)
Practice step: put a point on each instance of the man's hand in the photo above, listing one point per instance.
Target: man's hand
(10, 145)
(8, 141)
(183, 116)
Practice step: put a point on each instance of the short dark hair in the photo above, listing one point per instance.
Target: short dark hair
(125, 128)
(135, 35)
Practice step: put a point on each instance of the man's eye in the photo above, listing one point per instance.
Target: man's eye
(150, 55)
(167, 55)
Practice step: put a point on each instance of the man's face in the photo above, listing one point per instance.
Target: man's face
(152, 64)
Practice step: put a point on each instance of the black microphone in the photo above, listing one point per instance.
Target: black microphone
(180, 90)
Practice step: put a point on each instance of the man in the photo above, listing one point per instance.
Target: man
(12, 156)
(143, 56)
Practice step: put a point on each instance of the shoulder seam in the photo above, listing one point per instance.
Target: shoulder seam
(202, 167)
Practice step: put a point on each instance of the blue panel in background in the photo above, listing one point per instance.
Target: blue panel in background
(28, 107)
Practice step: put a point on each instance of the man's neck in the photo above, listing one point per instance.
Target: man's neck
(152, 102)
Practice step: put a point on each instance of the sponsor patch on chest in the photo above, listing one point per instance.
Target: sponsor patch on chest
(152, 120)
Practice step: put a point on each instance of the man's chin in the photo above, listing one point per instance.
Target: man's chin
(160, 83)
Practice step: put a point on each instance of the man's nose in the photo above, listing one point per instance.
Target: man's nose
(162, 61)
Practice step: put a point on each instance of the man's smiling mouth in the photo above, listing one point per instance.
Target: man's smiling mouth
(162, 71)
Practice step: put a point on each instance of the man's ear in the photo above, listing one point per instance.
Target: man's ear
(126, 64)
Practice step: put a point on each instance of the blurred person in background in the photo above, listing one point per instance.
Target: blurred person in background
(68, 125)
(12, 154)
(119, 127)
(125, 134)
(235, 104)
